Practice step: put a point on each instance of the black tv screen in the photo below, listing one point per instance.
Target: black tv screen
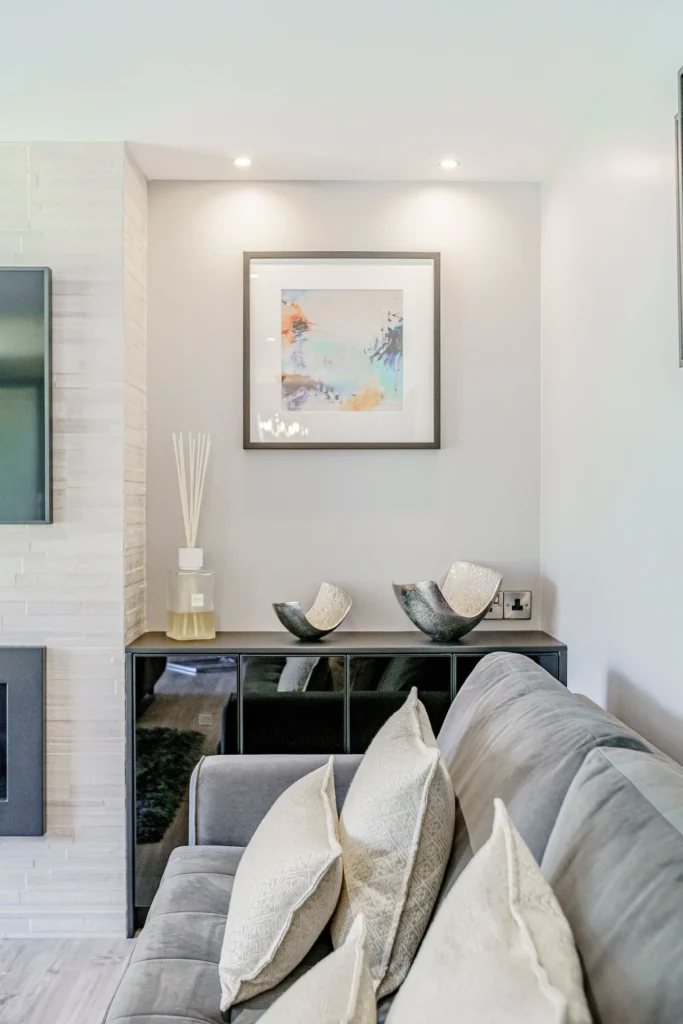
(25, 470)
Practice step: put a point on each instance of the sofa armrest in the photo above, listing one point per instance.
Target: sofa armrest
(231, 793)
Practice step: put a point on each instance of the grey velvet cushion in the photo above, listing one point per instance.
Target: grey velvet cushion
(173, 973)
(615, 861)
(514, 732)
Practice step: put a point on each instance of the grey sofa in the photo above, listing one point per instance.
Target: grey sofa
(601, 811)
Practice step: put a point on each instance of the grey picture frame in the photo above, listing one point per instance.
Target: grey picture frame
(248, 443)
(22, 682)
(46, 475)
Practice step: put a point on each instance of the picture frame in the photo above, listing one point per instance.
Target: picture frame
(327, 362)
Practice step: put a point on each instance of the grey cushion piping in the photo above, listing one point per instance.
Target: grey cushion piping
(216, 874)
(192, 816)
(166, 1016)
(175, 959)
(204, 913)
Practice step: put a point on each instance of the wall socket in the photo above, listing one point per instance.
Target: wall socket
(517, 604)
(496, 609)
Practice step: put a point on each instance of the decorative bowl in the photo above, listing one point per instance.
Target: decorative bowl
(328, 611)
(449, 611)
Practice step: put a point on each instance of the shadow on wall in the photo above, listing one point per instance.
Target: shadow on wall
(639, 711)
(548, 604)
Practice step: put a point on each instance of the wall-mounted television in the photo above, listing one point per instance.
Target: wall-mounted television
(25, 426)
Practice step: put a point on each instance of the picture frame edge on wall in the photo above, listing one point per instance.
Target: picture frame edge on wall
(252, 445)
(678, 128)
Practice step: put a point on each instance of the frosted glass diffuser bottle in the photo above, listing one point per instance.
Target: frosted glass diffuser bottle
(190, 612)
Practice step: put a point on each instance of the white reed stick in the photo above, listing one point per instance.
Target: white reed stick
(180, 468)
(206, 448)
(196, 458)
(197, 448)
(192, 488)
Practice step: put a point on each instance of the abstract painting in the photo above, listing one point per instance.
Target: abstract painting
(331, 334)
(342, 350)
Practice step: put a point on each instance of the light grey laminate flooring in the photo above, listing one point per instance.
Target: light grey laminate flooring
(63, 981)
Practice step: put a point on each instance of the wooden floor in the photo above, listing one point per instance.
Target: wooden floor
(63, 981)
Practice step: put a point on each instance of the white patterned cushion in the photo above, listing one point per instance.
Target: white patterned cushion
(396, 830)
(499, 949)
(285, 890)
(338, 990)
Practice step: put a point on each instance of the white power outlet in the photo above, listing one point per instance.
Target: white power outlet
(496, 609)
(517, 604)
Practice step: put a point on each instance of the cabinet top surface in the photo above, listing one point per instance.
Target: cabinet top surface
(349, 642)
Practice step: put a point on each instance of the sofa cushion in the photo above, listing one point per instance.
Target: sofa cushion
(285, 890)
(514, 732)
(175, 959)
(396, 830)
(338, 990)
(198, 879)
(253, 1009)
(173, 973)
(499, 949)
(615, 861)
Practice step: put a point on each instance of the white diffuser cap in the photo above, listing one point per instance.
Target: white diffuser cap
(190, 558)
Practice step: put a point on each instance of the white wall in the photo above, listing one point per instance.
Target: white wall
(612, 437)
(276, 523)
(62, 586)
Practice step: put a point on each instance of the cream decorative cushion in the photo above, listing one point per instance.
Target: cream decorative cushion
(338, 990)
(396, 830)
(499, 949)
(285, 890)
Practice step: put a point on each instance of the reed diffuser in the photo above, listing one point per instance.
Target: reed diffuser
(190, 613)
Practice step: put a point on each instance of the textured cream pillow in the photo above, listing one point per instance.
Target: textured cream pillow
(396, 831)
(499, 949)
(338, 990)
(285, 890)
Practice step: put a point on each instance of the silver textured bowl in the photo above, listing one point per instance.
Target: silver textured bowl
(328, 611)
(449, 611)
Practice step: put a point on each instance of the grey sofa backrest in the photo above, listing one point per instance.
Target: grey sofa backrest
(514, 732)
(615, 862)
(230, 794)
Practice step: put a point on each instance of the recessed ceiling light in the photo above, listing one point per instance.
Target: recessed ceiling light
(242, 161)
(449, 164)
(253, 275)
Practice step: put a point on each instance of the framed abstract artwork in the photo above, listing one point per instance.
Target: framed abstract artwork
(341, 350)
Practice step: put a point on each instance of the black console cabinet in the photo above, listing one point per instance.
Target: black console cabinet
(252, 693)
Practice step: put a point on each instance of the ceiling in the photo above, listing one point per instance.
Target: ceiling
(364, 89)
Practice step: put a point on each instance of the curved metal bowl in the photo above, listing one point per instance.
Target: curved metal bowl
(449, 611)
(328, 611)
